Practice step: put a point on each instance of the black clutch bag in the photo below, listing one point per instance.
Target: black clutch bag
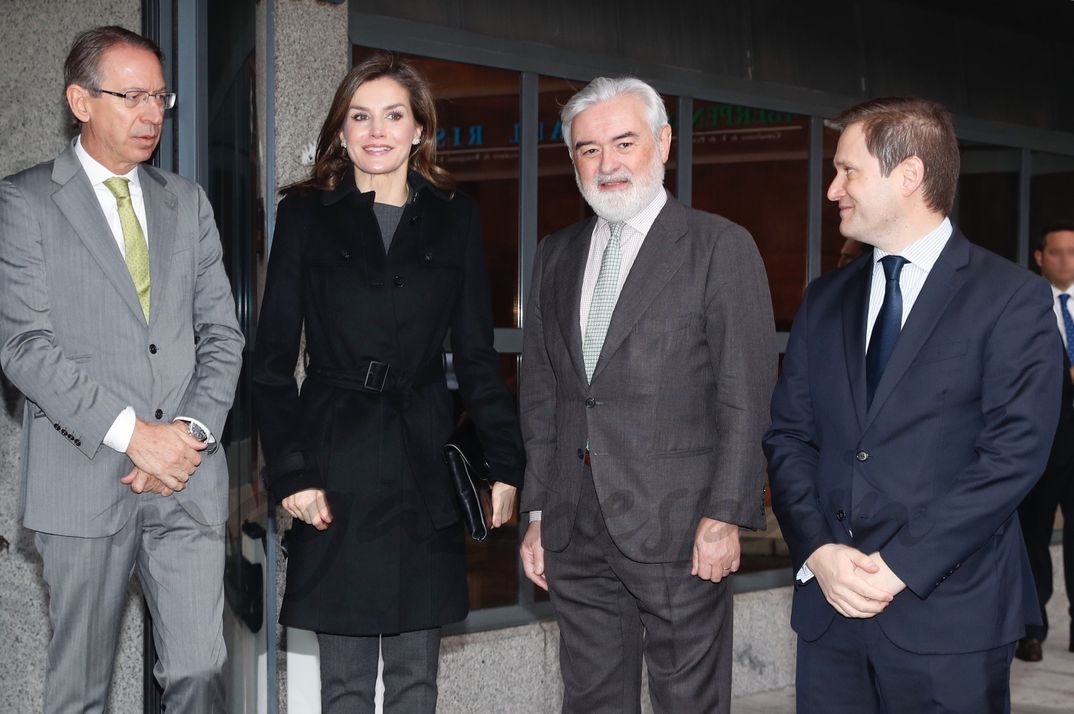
(473, 490)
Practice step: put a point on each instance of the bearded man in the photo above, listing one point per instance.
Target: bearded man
(648, 361)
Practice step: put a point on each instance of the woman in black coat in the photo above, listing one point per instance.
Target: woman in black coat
(379, 261)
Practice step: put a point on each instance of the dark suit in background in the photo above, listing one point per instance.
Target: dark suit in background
(1055, 489)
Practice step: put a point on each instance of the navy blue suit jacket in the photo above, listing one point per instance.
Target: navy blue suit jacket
(932, 472)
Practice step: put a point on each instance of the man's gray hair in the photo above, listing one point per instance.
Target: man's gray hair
(602, 89)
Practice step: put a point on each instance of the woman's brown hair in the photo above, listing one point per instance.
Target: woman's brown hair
(331, 162)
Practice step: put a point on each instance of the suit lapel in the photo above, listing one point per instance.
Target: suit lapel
(78, 203)
(943, 282)
(855, 300)
(657, 261)
(568, 286)
(161, 213)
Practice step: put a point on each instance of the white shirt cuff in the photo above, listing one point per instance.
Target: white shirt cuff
(120, 433)
(804, 574)
(535, 516)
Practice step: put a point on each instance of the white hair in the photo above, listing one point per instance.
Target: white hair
(602, 89)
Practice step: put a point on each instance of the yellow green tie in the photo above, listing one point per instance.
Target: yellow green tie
(135, 248)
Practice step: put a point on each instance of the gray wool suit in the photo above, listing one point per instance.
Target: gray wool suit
(672, 419)
(74, 341)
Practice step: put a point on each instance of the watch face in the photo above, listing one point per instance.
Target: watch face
(197, 432)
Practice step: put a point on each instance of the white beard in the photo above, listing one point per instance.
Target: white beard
(624, 203)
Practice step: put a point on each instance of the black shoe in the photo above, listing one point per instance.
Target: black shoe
(1029, 650)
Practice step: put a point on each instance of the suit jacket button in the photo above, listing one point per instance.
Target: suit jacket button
(862, 456)
(78, 442)
(398, 281)
(581, 453)
(428, 256)
(840, 515)
(159, 414)
(63, 431)
(590, 402)
(56, 427)
(152, 349)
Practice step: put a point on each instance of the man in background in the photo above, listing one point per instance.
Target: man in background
(118, 325)
(1055, 257)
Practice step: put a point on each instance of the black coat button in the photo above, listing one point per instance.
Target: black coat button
(159, 414)
(56, 426)
(840, 515)
(590, 403)
(78, 442)
(345, 254)
(581, 453)
(428, 256)
(63, 431)
(152, 349)
(862, 456)
(398, 281)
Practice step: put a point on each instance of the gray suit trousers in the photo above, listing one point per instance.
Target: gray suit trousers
(180, 565)
(612, 609)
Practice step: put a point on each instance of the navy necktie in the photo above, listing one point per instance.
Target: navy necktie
(887, 327)
(1068, 324)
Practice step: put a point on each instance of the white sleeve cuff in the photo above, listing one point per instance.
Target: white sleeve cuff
(804, 574)
(535, 516)
(120, 433)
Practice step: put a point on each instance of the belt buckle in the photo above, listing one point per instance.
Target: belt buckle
(375, 377)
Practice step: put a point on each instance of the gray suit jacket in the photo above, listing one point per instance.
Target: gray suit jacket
(75, 343)
(678, 401)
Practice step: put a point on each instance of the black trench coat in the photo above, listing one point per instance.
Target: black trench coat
(392, 560)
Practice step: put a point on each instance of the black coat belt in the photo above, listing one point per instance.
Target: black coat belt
(376, 377)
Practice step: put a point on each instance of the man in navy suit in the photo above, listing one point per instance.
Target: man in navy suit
(919, 396)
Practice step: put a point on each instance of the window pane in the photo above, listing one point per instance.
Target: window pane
(1050, 191)
(750, 165)
(986, 207)
(477, 110)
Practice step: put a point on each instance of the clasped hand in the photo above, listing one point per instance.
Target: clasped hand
(855, 584)
(165, 456)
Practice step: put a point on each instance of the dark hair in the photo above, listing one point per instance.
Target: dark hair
(897, 128)
(1062, 224)
(83, 64)
(331, 162)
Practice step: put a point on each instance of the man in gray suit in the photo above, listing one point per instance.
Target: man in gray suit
(118, 326)
(648, 361)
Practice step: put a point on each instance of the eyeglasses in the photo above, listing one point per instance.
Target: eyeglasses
(133, 98)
